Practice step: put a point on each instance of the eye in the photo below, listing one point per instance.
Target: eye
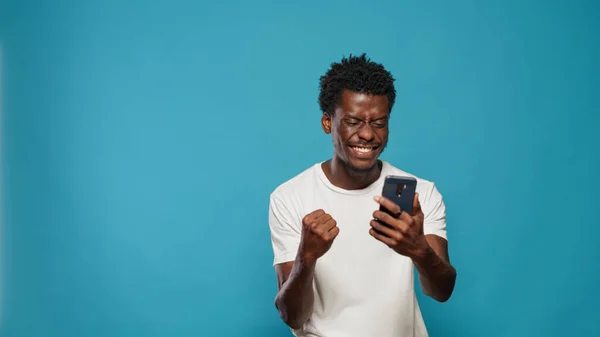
(351, 123)
(380, 124)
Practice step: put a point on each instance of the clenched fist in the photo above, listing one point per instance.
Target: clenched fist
(319, 230)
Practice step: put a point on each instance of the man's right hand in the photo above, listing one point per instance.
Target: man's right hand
(295, 299)
(319, 230)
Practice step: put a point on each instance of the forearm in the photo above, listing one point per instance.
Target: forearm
(296, 298)
(436, 275)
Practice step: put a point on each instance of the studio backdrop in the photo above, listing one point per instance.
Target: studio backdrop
(140, 141)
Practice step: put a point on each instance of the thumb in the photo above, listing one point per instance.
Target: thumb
(416, 205)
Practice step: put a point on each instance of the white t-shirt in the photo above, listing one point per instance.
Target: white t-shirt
(361, 287)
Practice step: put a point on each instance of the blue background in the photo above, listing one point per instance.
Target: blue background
(141, 139)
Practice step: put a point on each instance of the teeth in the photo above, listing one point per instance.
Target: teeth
(362, 149)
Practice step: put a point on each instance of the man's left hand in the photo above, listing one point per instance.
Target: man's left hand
(402, 233)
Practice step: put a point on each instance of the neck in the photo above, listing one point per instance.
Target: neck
(342, 176)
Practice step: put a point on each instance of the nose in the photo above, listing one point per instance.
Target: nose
(366, 132)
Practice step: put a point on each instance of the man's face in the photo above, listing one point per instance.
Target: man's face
(359, 129)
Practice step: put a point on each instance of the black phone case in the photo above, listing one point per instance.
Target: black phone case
(401, 191)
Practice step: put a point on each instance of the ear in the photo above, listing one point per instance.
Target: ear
(326, 123)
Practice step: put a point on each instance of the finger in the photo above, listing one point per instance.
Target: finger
(388, 204)
(323, 224)
(329, 225)
(416, 205)
(333, 233)
(328, 235)
(390, 221)
(308, 219)
(316, 214)
(323, 218)
(385, 230)
(389, 242)
(406, 218)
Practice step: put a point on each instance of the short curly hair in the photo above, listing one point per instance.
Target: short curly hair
(358, 74)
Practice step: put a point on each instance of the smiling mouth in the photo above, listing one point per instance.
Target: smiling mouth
(364, 149)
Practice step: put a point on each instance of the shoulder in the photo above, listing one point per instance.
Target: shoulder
(286, 201)
(293, 187)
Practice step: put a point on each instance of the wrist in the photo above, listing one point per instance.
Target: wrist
(306, 259)
(424, 255)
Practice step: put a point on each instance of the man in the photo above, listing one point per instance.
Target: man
(343, 267)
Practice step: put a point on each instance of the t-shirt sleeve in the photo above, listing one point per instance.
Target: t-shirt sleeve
(434, 210)
(285, 232)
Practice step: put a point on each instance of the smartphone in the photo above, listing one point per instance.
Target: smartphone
(401, 191)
